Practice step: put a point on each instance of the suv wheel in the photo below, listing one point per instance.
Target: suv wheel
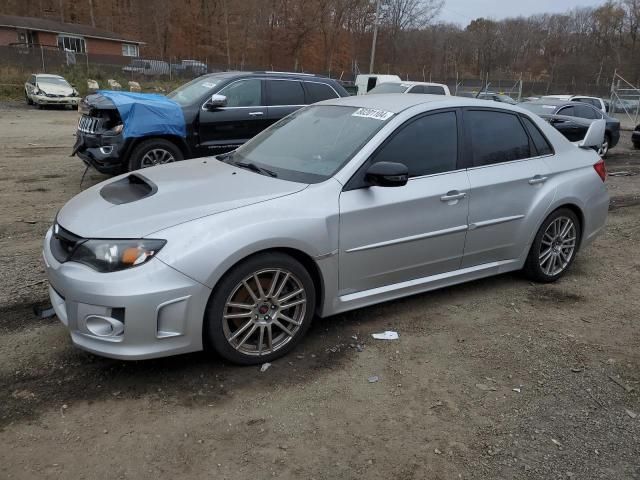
(26, 97)
(156, 151)
(260, 309)
(554, 248)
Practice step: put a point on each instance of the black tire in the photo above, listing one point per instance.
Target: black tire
(26, 97)
(607, 139)
(532, 267)
(636, 145)
(214, 322)
(136, 159)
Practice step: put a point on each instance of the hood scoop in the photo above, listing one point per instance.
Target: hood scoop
(129, 189)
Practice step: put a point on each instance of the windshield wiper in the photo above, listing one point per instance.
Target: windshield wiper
(255, 168)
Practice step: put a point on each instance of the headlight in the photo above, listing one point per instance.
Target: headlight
(116, 130)
(113, 255)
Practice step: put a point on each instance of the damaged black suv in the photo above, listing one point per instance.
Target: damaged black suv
(221, 111)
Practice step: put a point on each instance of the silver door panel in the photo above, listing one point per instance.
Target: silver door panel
(505, 202)
(390, 235)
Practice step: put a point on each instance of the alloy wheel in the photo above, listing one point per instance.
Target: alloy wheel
(604, 148)
(557, 246)
(156, 156)
(264, 312)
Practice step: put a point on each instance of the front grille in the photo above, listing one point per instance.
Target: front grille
(63, 243)
(88, 124)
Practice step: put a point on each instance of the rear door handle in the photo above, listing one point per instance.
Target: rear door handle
(452, 195)
(537, 179)
(256, 114)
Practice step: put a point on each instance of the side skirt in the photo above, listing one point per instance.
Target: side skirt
(420, 285)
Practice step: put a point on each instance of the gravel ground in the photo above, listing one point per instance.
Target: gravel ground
(499, 378)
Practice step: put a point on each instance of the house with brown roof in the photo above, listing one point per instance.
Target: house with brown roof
(30, 31)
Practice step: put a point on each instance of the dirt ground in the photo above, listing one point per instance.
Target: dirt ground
(495, 379)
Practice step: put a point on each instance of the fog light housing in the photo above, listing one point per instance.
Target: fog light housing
(106, 150)
(101, 326)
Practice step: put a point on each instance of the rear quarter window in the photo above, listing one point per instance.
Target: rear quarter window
(540, 142)
(317, 92)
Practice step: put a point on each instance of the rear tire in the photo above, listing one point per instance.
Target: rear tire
(260, 309)
(554, 247)
(636, 145)
(153, 152)
(606, 145)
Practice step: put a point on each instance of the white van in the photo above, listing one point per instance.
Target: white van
(364, 83)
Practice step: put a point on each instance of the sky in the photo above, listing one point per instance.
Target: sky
(463, 11)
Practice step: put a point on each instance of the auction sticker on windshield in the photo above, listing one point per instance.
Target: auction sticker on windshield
(372, 113)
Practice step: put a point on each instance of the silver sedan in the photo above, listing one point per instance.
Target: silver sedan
(343, 204)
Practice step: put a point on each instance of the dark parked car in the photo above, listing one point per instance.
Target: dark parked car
(221, 111)
(635, 137)
(572, 119)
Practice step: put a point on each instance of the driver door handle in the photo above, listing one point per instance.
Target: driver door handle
(256, 114)
(537, 179)
(452, 195)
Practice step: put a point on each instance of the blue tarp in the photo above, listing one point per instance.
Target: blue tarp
(145, 114)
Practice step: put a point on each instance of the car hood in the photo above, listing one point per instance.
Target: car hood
(55, 89)
(139, 203)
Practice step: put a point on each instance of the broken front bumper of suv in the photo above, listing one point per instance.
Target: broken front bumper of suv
(105, 153)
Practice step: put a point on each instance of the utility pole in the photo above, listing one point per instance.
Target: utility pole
(375, 37)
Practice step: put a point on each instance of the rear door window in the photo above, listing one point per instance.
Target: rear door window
(285, 92)
(427, 145)
(567, 111)
(495, 137)
(434, 90)
(317, 92)
(585, 111)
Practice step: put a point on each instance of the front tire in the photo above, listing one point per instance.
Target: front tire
(554, 247)
(260, 309)
(153, 152)
(27, 99)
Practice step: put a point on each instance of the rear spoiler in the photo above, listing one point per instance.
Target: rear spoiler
(594, 136)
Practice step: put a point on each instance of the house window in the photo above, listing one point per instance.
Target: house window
(129, 50)
(75, 44)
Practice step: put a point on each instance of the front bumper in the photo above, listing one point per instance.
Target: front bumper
(155, 310)
(45, 100)
(105, 153)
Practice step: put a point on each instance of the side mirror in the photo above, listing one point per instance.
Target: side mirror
(594, 136)
(217, 101)
(387, 174)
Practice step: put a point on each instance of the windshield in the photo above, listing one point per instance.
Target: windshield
(61, 82)
(389, 88)
(194, 90)
(312, 144)
(539, 108)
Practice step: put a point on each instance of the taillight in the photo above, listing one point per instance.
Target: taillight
(601, 169)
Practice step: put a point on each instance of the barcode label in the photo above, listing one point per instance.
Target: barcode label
(381, 115)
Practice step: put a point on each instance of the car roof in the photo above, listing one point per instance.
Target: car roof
(297, 76)
(410, 82)
(556, 102)
(47, 75)
(397, 102)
